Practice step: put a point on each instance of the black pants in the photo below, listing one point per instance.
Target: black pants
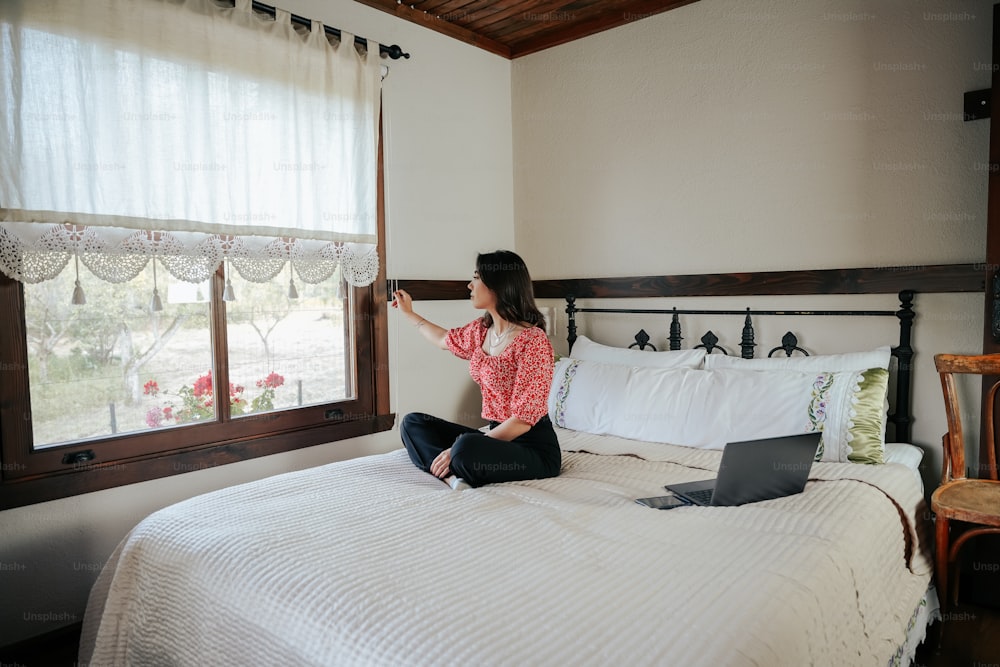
(477, 458)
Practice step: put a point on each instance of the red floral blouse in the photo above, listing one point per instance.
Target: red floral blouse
(514, 383)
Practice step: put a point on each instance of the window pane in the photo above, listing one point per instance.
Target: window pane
(285, 352)
(114, 366)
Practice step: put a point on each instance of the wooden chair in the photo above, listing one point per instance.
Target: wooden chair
(975, 502)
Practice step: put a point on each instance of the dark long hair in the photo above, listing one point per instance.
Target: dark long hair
(506, 274)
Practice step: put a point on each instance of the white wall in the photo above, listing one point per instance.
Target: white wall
(449, 185)
(768, 135)
(772, 134)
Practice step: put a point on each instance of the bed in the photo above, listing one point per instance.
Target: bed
(371, 562)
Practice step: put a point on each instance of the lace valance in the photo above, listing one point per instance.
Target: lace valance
(119, 255)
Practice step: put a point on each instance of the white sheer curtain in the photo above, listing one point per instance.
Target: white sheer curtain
(185, 131)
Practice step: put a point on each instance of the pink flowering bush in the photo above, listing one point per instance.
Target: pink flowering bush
(197, 400)
(265, 401)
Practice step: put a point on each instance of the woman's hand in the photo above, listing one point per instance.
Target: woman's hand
(432, 332)
(441, 465)
(402, 301)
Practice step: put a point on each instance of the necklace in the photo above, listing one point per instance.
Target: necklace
(496, 339)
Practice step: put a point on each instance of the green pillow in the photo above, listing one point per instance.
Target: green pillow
(867, 439)
(849, 407)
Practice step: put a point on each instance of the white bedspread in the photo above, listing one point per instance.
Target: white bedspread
(371, 562)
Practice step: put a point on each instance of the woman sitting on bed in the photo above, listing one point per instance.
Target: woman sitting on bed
(511, 360)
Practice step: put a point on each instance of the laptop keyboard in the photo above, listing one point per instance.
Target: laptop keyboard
(703, 497)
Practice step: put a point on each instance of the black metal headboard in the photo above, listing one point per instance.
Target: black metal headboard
(901, 417)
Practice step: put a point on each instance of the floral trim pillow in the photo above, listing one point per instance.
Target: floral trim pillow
(709, 408)
(859, 429)
(560, 390)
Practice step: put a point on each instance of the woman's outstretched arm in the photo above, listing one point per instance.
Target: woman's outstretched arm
(433, 333)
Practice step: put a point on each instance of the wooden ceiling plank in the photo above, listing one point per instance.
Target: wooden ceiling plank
(458, 13)
(452, 11)
(555, 17)
(513, 28)
(554, 21)
(541, 41)
(436, 7)
(476, 11)
(515, 15)
(438, 25)
(557, 14)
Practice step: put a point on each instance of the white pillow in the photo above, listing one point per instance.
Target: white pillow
(709, 408)
(849, 361)
(904, 453)
(587, 350)
(907, 455)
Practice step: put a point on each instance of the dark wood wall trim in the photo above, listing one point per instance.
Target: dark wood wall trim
(873, 280)
(434, 290)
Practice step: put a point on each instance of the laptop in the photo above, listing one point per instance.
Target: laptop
(755, 470)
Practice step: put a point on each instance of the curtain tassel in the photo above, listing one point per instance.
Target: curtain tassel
(79, 298)
(155, 305)
(292, 292)
(228, 294)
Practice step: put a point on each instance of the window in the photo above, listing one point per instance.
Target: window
(165, 163)
(103, 392)
(114, 366)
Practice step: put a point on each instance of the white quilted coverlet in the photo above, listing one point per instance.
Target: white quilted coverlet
(371, 562)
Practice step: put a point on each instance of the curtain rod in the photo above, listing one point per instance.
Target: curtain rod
(394, 51)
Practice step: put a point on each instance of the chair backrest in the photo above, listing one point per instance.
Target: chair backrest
(953, 466)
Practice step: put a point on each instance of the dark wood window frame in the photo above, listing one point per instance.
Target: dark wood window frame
(28, 476)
